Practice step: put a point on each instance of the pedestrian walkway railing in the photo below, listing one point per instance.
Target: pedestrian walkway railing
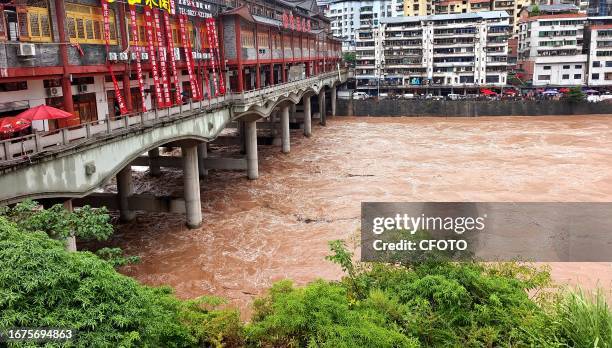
(42, 143)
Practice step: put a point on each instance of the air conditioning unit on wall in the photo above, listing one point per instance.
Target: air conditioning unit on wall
(112, 56)
(52, 91)
(123, 56)
(27, 50)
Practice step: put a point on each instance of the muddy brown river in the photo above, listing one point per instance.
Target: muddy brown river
(258, 232)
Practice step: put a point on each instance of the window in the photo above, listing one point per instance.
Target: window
(34, 25)
(595, 76)
(85, 24)
(546, 67)
(596, 64)
(263, 40)
(577, 76)
(578, 66)
(13, 86)
(609, 64)
(565, 77)
(543, 77)
(565, 67)
(247, 38)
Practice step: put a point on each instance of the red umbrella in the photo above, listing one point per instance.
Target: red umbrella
(564, 90)
(13, 124)
(486, 91)
(510, 91)
(44, 112)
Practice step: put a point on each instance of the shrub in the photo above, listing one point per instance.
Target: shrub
(42, 285)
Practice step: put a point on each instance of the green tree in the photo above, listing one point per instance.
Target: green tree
(349, 57)
(575, 95)
(85, 223)
(42, 285)
(535, 11)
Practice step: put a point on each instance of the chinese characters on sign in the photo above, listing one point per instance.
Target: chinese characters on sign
(194, 8)
(296, 23)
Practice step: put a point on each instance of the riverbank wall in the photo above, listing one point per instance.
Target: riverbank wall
(467, 108)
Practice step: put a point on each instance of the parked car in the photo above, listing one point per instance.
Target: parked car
(453, 96)
(383, 95)
(408, 96)
(360, 96)
(437, 97)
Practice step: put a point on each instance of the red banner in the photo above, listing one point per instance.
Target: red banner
(195, 90)
(153, 58)
(122, 108)
(162, 60)
(211, 31)
(138, 62)
(177, 82)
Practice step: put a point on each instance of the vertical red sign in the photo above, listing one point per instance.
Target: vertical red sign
(195, 90)
(177, 82)
(105, 13)
(137, 52)
(153, 58)
(161, 48)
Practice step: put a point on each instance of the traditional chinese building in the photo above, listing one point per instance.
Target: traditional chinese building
(101, 58)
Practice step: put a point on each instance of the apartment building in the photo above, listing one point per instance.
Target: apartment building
(598, 44)
(457, 51)
(347, 16)
(550, 48)
(431, 7)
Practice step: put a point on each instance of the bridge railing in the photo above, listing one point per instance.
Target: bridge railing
(16, 149)
(39, 143)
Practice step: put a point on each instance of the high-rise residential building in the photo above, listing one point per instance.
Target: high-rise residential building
(550, 49)
(417, 53)
(431, 7)
(347, 16)
(600, 8)
(598, 47)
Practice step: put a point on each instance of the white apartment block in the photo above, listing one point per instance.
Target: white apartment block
(347, 16)
(598, 40)
(550, 49)
(435, 7)
(466, 50)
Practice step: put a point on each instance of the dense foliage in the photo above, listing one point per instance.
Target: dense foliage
(42, 285)
(412, 304)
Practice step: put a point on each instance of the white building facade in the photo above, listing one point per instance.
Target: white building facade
(598, 39)
(458, 51)
(347, 16)
(551, 50)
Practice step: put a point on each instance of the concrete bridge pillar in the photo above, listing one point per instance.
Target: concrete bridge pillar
(292, 112)
(251, 147)
(70, 240)
(202, 155)
(307, 117)
(333, 101)
(154, 167)
(125, 188)
(191, 179)
(285, 136)
(322, 111)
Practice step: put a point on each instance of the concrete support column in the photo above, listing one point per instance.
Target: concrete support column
(202, 155)
(125, 188)
(285, 137)
(292, 112)
(70, 240)
(251, 147)
(307, 117)
(154, 168)
(333, 101)
(191, 180)
(322, 112)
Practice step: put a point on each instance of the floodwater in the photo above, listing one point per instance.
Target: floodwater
(277, 227)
